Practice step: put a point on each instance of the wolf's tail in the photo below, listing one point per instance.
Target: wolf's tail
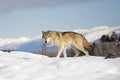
(86, 44)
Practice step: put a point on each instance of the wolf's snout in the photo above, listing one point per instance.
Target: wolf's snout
(45, 41)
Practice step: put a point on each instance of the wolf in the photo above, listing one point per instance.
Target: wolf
(64, 39)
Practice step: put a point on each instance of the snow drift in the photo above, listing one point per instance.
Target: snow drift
(28, 66)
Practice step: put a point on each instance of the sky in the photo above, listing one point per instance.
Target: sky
(28, 18)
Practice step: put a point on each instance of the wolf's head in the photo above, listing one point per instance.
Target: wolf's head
(46, 36)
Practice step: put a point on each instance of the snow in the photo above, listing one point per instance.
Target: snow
(27, 66)
(11, 43)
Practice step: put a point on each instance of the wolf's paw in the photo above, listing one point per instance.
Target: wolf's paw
(87, 55)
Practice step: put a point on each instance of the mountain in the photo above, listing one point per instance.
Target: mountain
(96, 32)
(36, 44)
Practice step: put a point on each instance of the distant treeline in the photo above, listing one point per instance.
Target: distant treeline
(7, 50)
(112, 38)
(108, 46)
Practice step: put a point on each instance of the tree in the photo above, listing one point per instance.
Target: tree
(113, 36)
(103, 38)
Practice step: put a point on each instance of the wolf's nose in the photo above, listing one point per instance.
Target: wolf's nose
(45, 41)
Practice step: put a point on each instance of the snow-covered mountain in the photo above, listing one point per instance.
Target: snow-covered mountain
(96, 32)
(36, 44)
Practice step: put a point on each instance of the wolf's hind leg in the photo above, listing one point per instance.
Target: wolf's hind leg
(81, 48)
(84, 51)
(76, 51)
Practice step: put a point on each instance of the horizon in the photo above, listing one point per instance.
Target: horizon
(29, 18)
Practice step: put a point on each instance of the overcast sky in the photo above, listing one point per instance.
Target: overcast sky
(28, 18)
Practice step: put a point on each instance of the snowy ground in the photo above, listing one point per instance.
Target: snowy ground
(28, 66)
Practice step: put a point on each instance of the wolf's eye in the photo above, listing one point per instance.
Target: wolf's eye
(47, 36)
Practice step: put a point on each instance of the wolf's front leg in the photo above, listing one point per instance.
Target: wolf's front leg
(64, 53)
(60, 50)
